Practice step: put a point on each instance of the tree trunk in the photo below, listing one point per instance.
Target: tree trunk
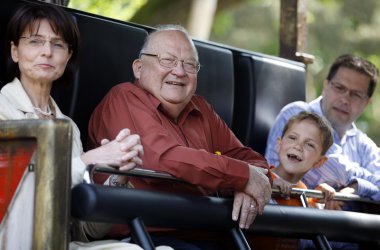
(201, 18)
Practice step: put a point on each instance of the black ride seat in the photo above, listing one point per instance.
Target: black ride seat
(265, 84)
(107, 51)
(216, 79)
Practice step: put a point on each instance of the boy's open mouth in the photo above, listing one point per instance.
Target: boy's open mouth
(294, 157)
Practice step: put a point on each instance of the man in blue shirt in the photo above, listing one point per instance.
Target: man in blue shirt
(353, 164)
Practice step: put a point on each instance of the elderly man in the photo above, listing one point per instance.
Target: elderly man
(179, 130)
(354, 159)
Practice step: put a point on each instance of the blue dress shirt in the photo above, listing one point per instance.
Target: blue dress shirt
(353, 158)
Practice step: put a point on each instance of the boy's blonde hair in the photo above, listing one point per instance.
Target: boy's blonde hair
(322, 124)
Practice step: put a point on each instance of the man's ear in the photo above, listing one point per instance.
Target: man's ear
(369, 101)
(321, 161)
(325, 85)
(136, 66)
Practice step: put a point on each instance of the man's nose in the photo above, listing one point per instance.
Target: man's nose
(179, 69)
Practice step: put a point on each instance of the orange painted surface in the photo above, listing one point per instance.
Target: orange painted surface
(15, 156)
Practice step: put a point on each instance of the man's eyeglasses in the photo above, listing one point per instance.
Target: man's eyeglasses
(168, 61)
(354, 95)
(39, 42)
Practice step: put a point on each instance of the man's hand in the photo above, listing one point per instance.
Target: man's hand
(252, 201)
(124, 152)
(258, 187)
(246, 207)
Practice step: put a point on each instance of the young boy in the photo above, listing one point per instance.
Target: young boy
(305, 140)
(303, 144)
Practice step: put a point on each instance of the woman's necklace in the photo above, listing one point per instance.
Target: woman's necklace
(39, 111)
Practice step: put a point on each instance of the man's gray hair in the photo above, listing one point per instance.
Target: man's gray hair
(168, 27)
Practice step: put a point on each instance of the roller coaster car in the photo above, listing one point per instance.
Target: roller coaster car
(238, 83)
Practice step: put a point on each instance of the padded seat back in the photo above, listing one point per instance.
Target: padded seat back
(107, 51)
(216, 79)
(6, 11)
(264, 85)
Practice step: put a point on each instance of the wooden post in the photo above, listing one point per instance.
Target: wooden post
(52, 192)
(293, 31)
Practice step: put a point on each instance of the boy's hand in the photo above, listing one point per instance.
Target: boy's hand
(337, 205)
(284, 186)
(328, 191)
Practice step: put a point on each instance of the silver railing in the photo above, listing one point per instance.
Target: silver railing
(146, 173)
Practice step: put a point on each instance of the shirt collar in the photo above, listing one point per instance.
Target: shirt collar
(16, 94)
(191, 108)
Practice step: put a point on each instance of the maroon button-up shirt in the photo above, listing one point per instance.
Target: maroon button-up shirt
(185, 149)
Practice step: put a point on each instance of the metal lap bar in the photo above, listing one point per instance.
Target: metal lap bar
(140, 235)
(303, 199)
(102, 204)
(146, 173)
(52, 191)
(320, 241)
(236, 232)
(239, 239)
(136, 172)
(319, 195)
(318, 236)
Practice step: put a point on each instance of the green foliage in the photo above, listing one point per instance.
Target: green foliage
(224, 22)
(117, 9)
(251, 25)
